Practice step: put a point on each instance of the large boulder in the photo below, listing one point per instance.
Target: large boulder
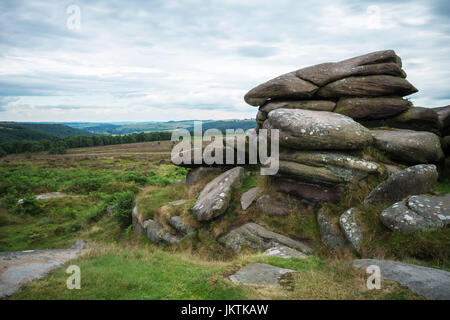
(372, 108)
(444, 116)
(306, 191)
(214, 199)
(379, 62)
(259, 274)
(285, 86)
(369, 86)
(196, 174)
(318, 105)
(315, 130)
(259, 238)
(275, 205)
(415, 118)
(419, 212)
(428, 282)
(331, 236)
(409, 146)
(351, 229)
(414, 180)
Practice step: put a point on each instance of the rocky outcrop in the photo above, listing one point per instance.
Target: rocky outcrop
(214, 199)
(273, 205)
(351, 229)
(259, 274)
(428, 282)
(444, 117)
(156, 233)
(178, 224)
(419, 212)
(409, 146)
(414, 180)
(331, 236)
(306, 191)
(248, 197)
(372, 108)
(259, 238)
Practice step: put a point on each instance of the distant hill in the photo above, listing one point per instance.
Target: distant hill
(19, 131)
(127, 128)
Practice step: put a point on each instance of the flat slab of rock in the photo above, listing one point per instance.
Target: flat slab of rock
(379, 62)
(410, 146)
(415, 118)
(259, 238)
(306, 191)
(414, 180)
(428, 282)
(259, 274)
(214, 199)
(284, 86)
(330, 235)
(248, 197)
(284, 252)
(177, 202)
(419, 212)
(20, 267)
(196, 174)
(315, 130)
(275, 205)
(369, 86)
(47, 196)
(372, 108)
(351, 229)
(318, 105)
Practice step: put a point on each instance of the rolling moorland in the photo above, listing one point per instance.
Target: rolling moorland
(126, 265)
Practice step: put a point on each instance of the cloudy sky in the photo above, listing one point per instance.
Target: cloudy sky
(173, 60)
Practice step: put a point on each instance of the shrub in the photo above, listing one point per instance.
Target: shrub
(30, 205)
(58, 147)
(123, 205)
(2, 152)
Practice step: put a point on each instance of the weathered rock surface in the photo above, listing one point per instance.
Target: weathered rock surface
(414, 180)
(351, 229)
(156, 233)
(284, 86)
(428, 282)
(20, 267)
(372, 108)
(259, 274)
(275, 205)
(444, 116)
(196, 174)
(415, 118)
(419, 212)
(178, 224)
(284, 252)
(47, 196)
(137, 221)
(177, 202)
(316, 130)
(318, 105)
(310, 192)
(331, 236)
(259, 238)
(409, 146)
(248, 197)
(214, 199)
(379, 62)
(368, 86)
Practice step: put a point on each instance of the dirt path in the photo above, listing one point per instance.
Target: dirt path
(20, 267)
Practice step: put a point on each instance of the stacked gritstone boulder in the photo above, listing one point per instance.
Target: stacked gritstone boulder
(323, 113)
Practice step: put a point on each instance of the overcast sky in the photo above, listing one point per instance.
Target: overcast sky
(174, 60)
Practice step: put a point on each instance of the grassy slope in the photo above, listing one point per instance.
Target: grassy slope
(128, 266)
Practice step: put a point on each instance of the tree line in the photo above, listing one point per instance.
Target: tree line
(60, 145)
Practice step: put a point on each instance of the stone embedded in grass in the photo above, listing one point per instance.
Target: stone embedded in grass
(178, 224)
(47, 196)
(259, 274)
(156, 233)
(419, 212)
(259, 238)
(351, 229)
(248, 197)
(177, 202)
(410, 146)
(317, 130)
(414, 180)
(331, 236)
(429, 282)
(214, 199)
(284, 252)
